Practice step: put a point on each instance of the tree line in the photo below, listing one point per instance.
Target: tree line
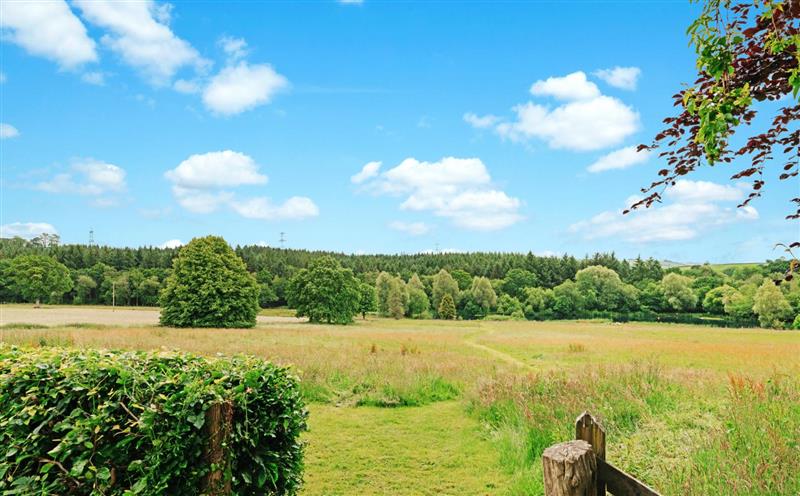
(334, 287)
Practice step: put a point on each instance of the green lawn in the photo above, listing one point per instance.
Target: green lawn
(431, 449)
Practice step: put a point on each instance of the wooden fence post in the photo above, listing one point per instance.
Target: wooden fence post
(219, 419)
(589, 429)
(570, 469)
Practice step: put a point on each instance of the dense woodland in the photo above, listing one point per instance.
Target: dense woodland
(443, 285)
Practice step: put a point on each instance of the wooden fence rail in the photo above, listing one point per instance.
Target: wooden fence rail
(579, 467)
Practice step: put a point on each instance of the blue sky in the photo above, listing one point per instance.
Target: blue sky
(360, 127)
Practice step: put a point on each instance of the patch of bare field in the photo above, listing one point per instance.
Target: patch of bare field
(56, 315)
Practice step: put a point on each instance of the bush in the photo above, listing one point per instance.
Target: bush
(98, 422)
(209, 287)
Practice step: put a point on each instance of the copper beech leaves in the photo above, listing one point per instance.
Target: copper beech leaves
(747, 53)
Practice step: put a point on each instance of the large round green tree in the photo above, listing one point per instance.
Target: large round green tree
(37, 277)
(325, 292)
(209, 287)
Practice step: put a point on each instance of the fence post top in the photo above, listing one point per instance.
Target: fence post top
(586, 419)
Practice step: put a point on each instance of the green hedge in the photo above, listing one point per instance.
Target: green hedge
(125, 423)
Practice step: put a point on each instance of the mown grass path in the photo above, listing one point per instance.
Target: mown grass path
(432, 449)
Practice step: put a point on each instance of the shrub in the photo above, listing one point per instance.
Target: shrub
(209, 287)
(125, 423)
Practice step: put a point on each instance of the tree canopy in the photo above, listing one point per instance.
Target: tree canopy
(325, 292)
(37, 277)
(209, 287)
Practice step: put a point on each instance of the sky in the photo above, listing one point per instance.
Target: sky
(361, 127)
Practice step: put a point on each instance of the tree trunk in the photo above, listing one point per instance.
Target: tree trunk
(570, 469)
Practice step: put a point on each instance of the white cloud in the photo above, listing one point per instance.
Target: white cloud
(696, 207)
(216, 170)
(369, 171)
(242, 87)
(586, 120)
(620, 77)
(202, 183)
(49, 30)
(703, 191)
(26, 230)
(295, 208)
(88, 177)
(96, 78)
(172, 243)
(140, 36)
(8, 131)
(410, 228)
(201, 201)
(234, 48)
(454, 188)
(351, 2)
(580, 125)
(573, 86)
(620, 159)
(480, 122)
(3, 77)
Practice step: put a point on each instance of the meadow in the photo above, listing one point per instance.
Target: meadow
(466, 407)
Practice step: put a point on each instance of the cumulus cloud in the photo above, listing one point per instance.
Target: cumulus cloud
(202, 184)
(620, 159)
(242, 87)
(49, 30)
(139, 34)
(8, 131)
(369, 171)
(216, 170)
(88, 177)
(573, 86)
(582, 125)
(694, 208)
(26, 230)
(481, 122)
(296, 207)
(584, 120)
(459, 189)
(703, 191)
(410, 228)
(620, 77)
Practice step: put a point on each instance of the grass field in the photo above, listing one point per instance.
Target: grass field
(431, 407)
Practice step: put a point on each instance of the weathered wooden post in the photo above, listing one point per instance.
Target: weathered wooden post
(219, 419)
(589, 429)
(570, 469)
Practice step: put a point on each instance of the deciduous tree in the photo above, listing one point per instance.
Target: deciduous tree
(38, 277)
(325, 292)
(771, 306)
(209, 287)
